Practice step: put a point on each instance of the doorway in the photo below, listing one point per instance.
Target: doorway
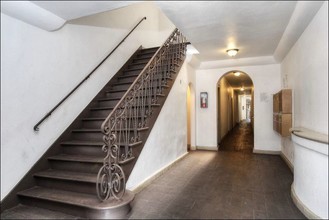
(188, 114)
(235, 111)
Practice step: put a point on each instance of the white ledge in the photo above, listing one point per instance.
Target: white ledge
(32, 14)
(310, 134)
(310, 139)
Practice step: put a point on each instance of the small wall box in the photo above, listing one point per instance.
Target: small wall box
(282, 112)
(204, 99)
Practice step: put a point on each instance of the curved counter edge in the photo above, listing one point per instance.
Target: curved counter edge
(310, 135)
(300, 205)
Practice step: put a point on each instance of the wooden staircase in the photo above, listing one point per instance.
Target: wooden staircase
(68, 184)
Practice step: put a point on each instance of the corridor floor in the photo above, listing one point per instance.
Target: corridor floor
(232, 183)
(240, 138)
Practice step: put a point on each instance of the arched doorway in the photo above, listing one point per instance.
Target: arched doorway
(190, 117)
(235, 109)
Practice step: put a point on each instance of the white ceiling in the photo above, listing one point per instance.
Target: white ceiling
(256, 28)
(69, 10)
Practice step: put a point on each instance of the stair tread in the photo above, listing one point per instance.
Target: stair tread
(68, 175)
(133, 69)
(150, 48)
(139, 61)
(93, 119)
(119, 90)
(84, 143)
(122, 83)
(33, 212)
(101, 108)
(81, 130)
(78, 158)
(110, 98)
(70, 198)
(93, 143)
(87, 130)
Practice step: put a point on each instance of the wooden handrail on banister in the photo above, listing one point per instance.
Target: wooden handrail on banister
(36, 128)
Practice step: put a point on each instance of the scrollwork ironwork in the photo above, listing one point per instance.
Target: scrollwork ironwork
(122, 126)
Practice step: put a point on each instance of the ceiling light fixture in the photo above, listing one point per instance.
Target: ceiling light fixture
(237, 73)
(242, 88)
(232, 52)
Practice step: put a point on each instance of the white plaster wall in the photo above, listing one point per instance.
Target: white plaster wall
(39, 68)
(266, 80)
(305, 71)
(311, 175)
(225, 108)
(191, 81)
(168, 139)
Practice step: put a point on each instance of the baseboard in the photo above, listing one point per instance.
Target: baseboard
(300, 205)
(207, 148)
(290, 165)
(157, 174)
(270, 152)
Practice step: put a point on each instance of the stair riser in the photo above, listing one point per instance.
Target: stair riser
(120, 87)
(144, 55)
(134, 74)
(87, 136)
(115, 213)
(136, 65)
(75, 166)
(98, 124)
(55, 206)
(73, 186)
(142, 61)
(105, 113)
(117, 94)
(127, 79)
(156, 81)
(84, 150)
(100, 113)
(92, 124)
(130, 74)
(107, 103)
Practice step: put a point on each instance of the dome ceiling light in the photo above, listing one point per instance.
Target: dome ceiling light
(237, 73)
(232, 52)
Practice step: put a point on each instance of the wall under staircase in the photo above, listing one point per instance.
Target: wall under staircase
(39, 68)
(68, 184)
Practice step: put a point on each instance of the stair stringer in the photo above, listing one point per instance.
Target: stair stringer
(128, 167)
(167, 140)
(28, 179)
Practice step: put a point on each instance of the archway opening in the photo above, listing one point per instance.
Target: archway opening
(188, 114)
(235, 112)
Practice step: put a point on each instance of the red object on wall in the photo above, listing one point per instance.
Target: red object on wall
(204, 99)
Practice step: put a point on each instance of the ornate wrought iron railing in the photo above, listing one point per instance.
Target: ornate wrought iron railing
(129, 117)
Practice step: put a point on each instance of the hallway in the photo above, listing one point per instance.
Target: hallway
(220, 185)
(240, 138)
(232, 183)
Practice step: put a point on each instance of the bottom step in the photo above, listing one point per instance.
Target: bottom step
(78, 204)
(29, 212)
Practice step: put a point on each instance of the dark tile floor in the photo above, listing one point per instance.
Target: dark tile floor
(232, 183)
(240, 138)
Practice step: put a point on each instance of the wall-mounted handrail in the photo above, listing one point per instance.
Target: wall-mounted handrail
(36, 128)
